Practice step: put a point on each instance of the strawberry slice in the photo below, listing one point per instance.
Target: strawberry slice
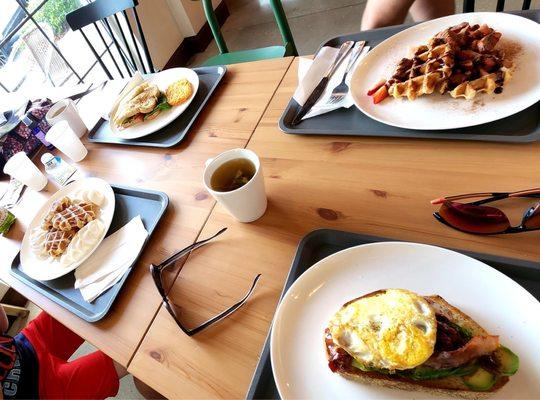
(377, 86)
(380, 95)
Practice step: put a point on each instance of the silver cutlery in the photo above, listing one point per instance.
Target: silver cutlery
(340, 91)
(319, 89)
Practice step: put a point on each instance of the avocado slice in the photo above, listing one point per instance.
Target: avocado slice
(509, 361)
(480, 381)
(423, 373)
(365, 368)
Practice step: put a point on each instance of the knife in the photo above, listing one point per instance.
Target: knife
(319, 89)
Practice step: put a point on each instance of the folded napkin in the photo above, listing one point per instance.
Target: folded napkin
(310, 73)
(108, 264)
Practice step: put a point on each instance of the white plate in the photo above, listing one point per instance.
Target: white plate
(162, 80)
(50, 268)
(435, 111)
(495, 301)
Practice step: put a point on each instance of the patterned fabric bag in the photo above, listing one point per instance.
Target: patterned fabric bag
(21, 138)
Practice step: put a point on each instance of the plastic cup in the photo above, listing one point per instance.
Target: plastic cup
(64, 139)
(20, 167)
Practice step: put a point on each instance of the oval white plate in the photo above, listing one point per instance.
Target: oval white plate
(162, 79)
(50, 268)
(436, 111)
(495, 301)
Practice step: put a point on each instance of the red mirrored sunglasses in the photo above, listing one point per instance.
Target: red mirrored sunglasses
(475, 217)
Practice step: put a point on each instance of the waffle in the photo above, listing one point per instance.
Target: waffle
(56, 207)
(489, 83)
(74, 217)
(461, 60)
(56, 241)
(426, 72)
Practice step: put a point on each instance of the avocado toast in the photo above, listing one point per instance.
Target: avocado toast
(423, 343)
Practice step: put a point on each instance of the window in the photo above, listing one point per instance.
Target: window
(37, 48)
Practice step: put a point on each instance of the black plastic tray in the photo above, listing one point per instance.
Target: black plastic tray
(130, 202)
(518, 128)
(174, 133)
(321, 243)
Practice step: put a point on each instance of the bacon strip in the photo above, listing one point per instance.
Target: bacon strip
(474, 348)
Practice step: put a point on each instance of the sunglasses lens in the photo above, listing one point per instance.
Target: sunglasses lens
(531, 219)
(474, 219)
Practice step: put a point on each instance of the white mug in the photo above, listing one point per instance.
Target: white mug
(247, 203)
(64, 139)
(66, 110)
(20, 167)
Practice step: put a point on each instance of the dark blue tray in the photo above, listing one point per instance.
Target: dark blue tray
(174, 133)
(323, 242)
(522, 127)
(130, 202)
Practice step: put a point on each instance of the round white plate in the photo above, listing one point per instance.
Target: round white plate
(162, 80)
(51, 268)
(436, 111)
(495, 301)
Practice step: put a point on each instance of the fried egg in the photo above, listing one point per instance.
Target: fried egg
(395, 329)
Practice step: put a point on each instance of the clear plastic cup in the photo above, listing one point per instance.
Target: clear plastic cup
(64, 139)
(20, 167)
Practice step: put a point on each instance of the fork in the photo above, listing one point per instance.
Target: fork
(342, 89)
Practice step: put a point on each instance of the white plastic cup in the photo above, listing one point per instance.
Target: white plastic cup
(247, 203)
(20, 167)
(64, 139)
(66, 110)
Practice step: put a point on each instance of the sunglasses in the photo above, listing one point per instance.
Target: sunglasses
(477, 218)
(157, 275)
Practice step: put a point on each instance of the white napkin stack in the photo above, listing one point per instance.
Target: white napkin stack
(310, 73)
(108, 264)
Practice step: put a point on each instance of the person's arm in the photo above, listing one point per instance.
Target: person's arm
(379, 13)
(4, 323)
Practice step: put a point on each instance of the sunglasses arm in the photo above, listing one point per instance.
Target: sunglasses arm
(187, 250)
(222, 315)
(499, 195)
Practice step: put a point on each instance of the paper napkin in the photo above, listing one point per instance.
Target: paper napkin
(310, 73)
(108, 264)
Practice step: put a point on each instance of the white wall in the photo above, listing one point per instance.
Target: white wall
(167, 22)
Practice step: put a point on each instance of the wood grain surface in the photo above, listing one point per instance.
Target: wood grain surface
(227, 122)
(376, 186)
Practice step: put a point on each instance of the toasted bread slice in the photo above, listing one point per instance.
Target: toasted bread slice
(449, 386)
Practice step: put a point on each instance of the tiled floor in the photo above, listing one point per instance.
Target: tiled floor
(251, 23)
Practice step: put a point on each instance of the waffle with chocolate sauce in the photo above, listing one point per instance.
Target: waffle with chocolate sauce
(461, 60)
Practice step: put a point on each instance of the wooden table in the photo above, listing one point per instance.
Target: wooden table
(228, 121)
(377, 186)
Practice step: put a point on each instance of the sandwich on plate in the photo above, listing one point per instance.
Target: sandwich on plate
(399, 339)
(142, 103)
(145, 102)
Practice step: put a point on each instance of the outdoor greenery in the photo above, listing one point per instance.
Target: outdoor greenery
(54, 13)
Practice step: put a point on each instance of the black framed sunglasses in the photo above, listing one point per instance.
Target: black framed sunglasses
(477, 218)
(157, 271)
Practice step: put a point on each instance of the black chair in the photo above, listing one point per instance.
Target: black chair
(468, 5)
(107, 11)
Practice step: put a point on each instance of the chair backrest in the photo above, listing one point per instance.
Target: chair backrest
(279, 16)
(468, 5)
(108, 11)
